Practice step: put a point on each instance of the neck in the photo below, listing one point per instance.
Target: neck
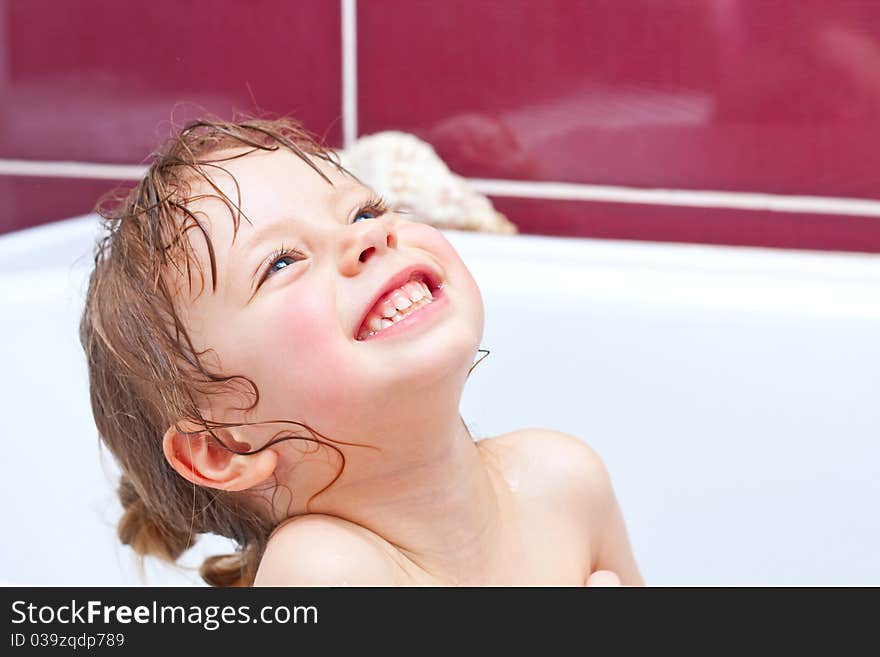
(428, 491)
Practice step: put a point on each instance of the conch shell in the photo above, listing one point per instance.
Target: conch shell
(409, 174)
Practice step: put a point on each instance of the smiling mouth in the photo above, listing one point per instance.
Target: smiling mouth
(398, 304)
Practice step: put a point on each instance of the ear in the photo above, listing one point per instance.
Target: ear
(198, 458)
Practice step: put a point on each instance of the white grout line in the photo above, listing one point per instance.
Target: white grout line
(38, 168)
(349, 72)
(557, 191)
(677, 197)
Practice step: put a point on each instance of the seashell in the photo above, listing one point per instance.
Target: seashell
(410, 175)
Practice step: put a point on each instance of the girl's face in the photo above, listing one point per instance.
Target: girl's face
(294, 286)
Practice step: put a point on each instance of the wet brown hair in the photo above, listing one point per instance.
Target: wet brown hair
(145, 373)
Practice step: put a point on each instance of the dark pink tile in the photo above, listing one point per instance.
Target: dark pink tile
(99, 80)
(34, 201)
(751, 95)
(695, 225)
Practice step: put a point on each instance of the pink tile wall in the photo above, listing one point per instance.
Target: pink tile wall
(750, 95)
(99, 80)
(634, 221)
(743, 96)
(30, 201)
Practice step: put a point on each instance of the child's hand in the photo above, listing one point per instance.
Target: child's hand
(603, 578)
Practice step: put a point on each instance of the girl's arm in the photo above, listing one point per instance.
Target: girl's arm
(614, 552)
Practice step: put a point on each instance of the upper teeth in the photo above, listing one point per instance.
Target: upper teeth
(401, 302)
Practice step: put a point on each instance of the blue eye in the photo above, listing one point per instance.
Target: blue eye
(366, 214)
(280, 259)
(279, 264)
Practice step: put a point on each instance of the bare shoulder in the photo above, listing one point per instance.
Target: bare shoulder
(320, 550)
(564, 476)
(551, 462)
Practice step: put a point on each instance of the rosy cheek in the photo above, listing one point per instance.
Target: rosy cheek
(298, 318)
(301, 327)
(307, 348)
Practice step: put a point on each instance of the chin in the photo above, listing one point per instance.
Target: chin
(442, 357)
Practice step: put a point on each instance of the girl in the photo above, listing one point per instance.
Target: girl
(278, 358)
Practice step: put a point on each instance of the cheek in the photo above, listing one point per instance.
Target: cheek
(302, 349)
(301, 321)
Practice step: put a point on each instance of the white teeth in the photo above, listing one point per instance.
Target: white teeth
(406, 299)
(387, 309)
(375, 323)
(400, 301)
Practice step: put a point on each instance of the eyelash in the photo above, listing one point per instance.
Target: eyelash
(272, 260)
(375, 204)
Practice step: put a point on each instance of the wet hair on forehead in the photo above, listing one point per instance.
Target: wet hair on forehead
(197, 166)
(199, 221)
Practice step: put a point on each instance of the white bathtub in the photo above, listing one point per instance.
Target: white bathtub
(732, 392)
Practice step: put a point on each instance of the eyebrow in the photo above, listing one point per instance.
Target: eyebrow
(262, 232)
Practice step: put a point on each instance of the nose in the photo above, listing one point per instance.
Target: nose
(366, 239)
